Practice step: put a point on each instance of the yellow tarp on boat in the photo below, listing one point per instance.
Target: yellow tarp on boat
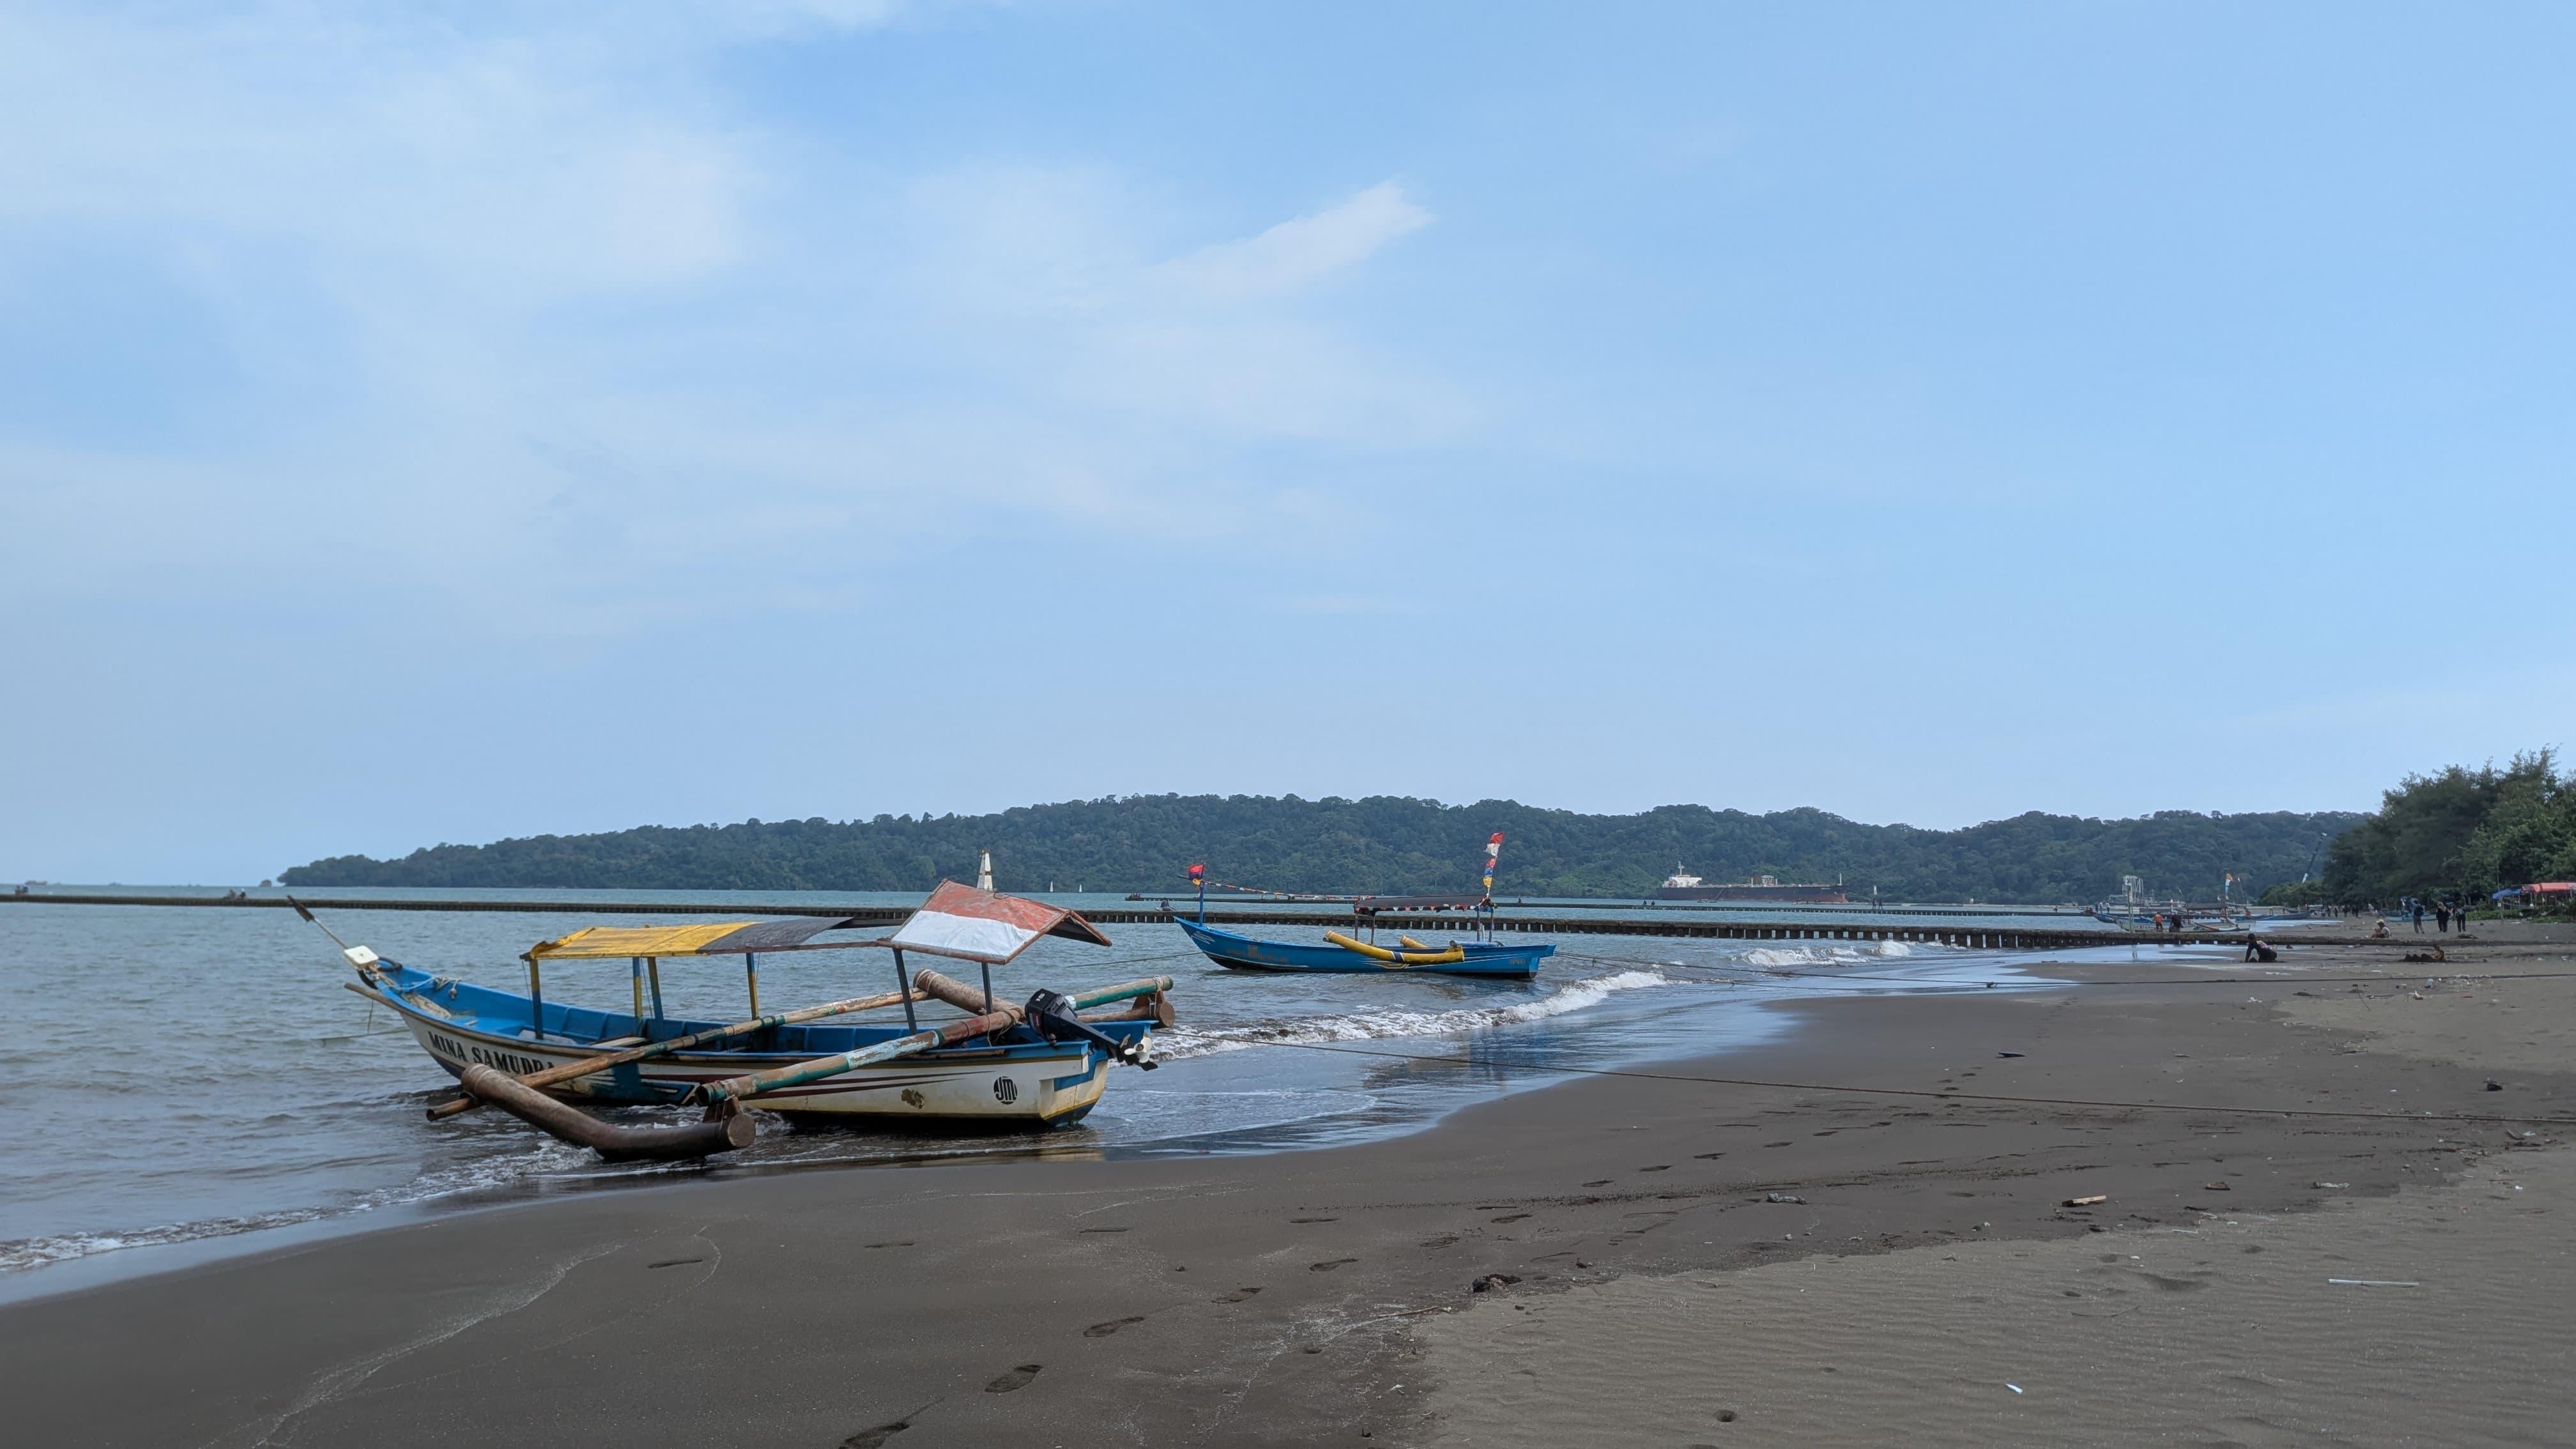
(635, 941)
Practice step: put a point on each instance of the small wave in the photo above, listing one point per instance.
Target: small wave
(27, 1253)
(492, 1172)
(1838, 954)
(1176, 1043)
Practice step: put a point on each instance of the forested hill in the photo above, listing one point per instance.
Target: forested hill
(1382, 844)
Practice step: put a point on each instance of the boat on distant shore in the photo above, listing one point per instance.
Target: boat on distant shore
(1681, 885)
(1043, 1063)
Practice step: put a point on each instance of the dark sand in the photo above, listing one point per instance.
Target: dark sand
(1324, 1297)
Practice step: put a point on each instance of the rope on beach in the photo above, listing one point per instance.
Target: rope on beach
(2417, 1118)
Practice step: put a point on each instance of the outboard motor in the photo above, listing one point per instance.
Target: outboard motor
(1052, 1014)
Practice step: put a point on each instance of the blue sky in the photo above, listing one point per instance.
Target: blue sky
(441, 423)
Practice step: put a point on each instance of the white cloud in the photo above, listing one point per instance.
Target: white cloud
(1293, 253)
(526, 314)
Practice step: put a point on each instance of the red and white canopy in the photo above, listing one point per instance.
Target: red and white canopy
(976, 925)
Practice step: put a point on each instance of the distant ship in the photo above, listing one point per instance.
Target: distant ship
(1681, 885)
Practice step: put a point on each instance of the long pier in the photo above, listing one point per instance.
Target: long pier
(1982, 937)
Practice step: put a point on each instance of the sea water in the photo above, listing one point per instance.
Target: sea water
(179, 1076)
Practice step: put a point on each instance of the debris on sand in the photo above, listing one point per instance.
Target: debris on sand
(2099, 1197)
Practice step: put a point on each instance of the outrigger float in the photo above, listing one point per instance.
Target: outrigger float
(1041, 1063)
(1484, 954)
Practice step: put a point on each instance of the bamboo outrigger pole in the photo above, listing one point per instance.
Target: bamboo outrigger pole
(929, 983)
(587, 1065)
(752, 1084)
(729, 1132)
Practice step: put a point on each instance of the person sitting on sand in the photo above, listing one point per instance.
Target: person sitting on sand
(2380, 931)
(2255, 950)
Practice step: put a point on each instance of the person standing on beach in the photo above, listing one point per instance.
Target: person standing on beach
(2419, 918)
(2442, 920)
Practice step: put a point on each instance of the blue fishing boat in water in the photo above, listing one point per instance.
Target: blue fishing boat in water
(1516, 961)
(1484, 954)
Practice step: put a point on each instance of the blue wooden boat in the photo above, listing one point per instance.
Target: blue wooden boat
(1042, 1064)
(1013, 1077)
(1517, 961)
(1342, 954)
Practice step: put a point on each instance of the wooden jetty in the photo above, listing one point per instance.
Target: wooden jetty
(1786, 927)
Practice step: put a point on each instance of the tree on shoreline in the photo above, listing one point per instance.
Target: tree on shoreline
(1383, 843)
(2460, 832)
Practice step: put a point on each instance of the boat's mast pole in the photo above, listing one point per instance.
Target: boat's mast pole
(536, 998)
(358, 956)
(1493, 857)
(904, 985)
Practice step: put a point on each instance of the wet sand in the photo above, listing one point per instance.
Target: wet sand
(1325, 1296)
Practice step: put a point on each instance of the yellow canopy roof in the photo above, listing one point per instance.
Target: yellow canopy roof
(635, 941)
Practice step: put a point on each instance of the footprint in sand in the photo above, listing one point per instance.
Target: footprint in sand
(888, 1245)
(1658, 1167)
(1510, 1218)
(1017, 1379)
(1104, 1230)
(1708, 1156)
(1445, 1239)
(674, 1262)
(875, 1438)
(1604, 1182)
(1103, 1330)
(1314, 1220)
(1775, 1144)
(1237, 1296)
(1328, 1265)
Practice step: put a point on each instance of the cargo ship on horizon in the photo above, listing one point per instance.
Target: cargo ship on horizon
(1681, 885)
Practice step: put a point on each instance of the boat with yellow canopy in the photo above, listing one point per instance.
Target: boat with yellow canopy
(1042, 1063)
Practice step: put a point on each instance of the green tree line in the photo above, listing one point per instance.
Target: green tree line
(1384, 843)
(2460, 832)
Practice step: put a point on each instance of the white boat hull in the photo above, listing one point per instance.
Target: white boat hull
(995, 1085)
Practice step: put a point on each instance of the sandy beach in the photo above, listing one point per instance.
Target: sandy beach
(1691, 1260)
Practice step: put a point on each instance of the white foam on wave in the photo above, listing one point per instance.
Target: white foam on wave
(546, 1158)
(1176, 1043)
(1839, 953)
